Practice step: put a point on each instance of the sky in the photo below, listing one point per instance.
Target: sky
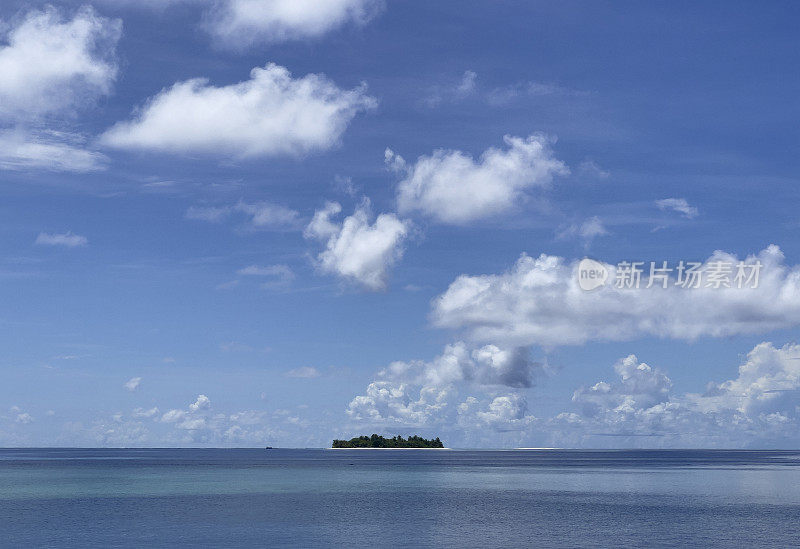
(279, 222)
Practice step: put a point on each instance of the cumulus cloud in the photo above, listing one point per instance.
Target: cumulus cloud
(145, 412)
(19, 416)
(398, 403)
(272, 114)
(258, 215)
(357, 250)
(679, 205)
(760, 405)
(133, 383)
(502, 413)
(173, 415)
(768, 382)
(639, 386)
(194, 418)
(67, 240)
(427, 393)
(50, 64)
(487, 365)
(50, 68)
(539, 302)
(199, 423)
(241, 23)
(635, 407)
(202, 403)
(195, 425)
(452, 187)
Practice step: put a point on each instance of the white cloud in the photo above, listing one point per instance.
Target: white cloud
(321, 227)
(265, 215)
(173, 415)
(679, 205)
(452, 187)
(21, 149)
(639, 386)
(195, 418)
(51, 67)
(271, 114)
(468, 87)
(590, 168)
(304, 372)
(502, 413)
(420, 393)
(202, 403)
(761, 405)
(467, 84)
(636, 407)
(462, 89)
(259, 215)
(768, 382)
(68, 240)
(145, 412)
(392, 402)
(539, 302)
(241, 23)
(238, 24)
(50, 64)
(211, 214)
(345, 185)
(24, 418)
(487, 365)
(199, 424)
(279, 274)
(356, 249)
(586, 231)
(133, 383)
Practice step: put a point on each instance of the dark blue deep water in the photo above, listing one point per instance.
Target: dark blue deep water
(386, 498)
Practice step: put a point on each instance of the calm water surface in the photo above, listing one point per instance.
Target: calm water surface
(416, 498)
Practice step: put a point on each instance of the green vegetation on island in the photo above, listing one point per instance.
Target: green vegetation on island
(377, 441)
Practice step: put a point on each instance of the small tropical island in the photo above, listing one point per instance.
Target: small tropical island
(377, 441)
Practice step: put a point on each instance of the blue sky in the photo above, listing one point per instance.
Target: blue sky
(241, 222)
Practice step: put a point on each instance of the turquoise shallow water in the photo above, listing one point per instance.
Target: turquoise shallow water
(420, 498)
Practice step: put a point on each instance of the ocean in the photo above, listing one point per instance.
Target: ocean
(391, 498)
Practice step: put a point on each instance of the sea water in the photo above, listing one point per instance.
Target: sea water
(386, 498)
